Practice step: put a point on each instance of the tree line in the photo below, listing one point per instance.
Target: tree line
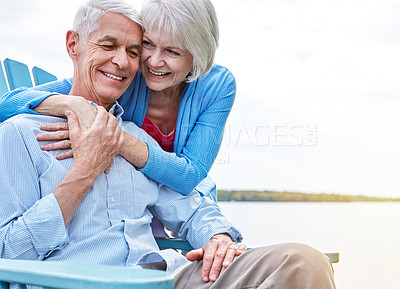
(273, 196)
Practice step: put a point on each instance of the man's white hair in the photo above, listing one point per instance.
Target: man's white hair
(88, 15)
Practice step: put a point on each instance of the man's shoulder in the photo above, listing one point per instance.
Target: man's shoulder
(28, 122)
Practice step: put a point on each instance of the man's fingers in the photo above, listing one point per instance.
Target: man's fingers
(230, 254)
(219, 258)
(108, 169)
(195, 255)
(208, 259)
(241, 249)
(101, 117)
(73, 123)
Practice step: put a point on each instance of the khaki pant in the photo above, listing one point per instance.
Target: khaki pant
(283, 266)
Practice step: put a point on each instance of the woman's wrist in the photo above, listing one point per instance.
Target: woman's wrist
(134, 151)
(58, 104)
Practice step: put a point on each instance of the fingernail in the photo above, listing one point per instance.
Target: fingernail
(214, 277)
(205, 279)
(226, 263)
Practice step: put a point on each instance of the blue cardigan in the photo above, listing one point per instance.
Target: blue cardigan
(204, 107)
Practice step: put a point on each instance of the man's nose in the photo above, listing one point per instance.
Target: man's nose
(121, 59)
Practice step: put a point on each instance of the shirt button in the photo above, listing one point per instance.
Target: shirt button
(113, 200)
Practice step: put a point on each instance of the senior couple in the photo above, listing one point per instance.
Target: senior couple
(146, 155)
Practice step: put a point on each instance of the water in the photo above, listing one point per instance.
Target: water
(367, 235)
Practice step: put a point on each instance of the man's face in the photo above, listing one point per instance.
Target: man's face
(106, 64)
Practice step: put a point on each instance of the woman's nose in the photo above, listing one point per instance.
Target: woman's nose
(156, 59)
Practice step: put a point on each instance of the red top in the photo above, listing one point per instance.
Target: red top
(166, 142)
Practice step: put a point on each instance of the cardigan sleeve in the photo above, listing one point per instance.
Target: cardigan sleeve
(183, 171)
(24, 99)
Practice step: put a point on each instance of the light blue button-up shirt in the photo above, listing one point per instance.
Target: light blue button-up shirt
(112, 224)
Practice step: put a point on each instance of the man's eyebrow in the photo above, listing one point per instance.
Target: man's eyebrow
(135, 46)
(115, 40)
(108, 38)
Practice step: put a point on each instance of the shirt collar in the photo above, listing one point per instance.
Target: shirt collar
(116, 110)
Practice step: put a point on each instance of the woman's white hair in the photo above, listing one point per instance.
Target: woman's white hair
(192, 24)
(88, 15)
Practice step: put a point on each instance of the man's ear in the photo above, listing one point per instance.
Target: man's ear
(72, 40)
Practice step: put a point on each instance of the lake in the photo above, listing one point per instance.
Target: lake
(367, 235)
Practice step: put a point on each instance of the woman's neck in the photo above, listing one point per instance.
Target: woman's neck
(163, 108)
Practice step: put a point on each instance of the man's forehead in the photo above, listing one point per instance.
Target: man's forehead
(115, 26)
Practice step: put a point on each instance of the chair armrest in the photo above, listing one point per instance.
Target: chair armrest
(173, 243)
(69, 275)
(179, 244)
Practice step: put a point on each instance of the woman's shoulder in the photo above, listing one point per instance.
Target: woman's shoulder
(218, 71)
(218, 78)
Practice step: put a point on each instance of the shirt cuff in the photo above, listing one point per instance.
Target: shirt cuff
(45, 223)
(214, 228)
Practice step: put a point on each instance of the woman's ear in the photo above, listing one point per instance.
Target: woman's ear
(72, 40)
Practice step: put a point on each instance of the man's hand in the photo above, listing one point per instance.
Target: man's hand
(96, 147)
(219, 251)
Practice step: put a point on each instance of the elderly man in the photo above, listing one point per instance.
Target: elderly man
(70, 210)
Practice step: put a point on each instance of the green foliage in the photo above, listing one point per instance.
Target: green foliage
(271, 196)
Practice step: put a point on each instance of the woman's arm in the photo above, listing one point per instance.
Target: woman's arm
(24, 100)
(183, 172)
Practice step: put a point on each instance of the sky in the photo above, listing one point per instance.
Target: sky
(317, 108)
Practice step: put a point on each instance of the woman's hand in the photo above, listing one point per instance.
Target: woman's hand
(56, 132)
(57, 105)
(219, 252)
(84, 110)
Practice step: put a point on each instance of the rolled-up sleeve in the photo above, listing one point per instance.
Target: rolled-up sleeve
(31, 226)
(195, 218)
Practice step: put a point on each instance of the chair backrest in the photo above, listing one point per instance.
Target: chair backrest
(3, 83)
(41, 76)
(17, 74)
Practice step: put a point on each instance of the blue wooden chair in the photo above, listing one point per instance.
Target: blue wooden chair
(67, 275)
(63, 275)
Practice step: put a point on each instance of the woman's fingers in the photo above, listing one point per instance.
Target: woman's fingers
(54, 126)
(65, 155)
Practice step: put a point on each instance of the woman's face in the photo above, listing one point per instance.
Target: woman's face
(163, 64)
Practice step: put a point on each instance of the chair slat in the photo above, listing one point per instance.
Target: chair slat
(17, 74)
(3, 83)
(41, 76)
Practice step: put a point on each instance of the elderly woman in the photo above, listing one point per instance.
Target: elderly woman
(178, 96)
